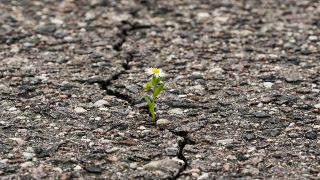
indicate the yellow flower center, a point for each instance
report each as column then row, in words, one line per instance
column 155, row 70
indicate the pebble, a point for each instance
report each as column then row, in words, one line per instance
column 93, row 169
column 163, row 122
column 312, row 135
column 313, row 38
column 39, row 173
column 77, row 168
column 198, row 88
column 28, row 155
column 11, row 109
column 316, row 127
column 28, row 45
column 26, row 164
column 249, row 136
column 176, row 111
column 217, row 70
column 100, row 103
column 70, row 39
column 196, row 75
column 79, row 110
column 164, row 165
column 133, row 89
column 225, row 141
column 18, row 140
column 293, row 77
column 317, row 106
column 251, row 171
column 172, row 151
column 261, row 115
column 90, row 15
column 203, row 16
column 268, row 85
column 98, row 2
column 204, row 176
column 46, row 29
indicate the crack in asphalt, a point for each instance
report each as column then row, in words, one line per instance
column 124, row 33
column 186, row 140
column 128, row 58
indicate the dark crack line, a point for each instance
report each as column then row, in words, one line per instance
column 105, row 84
column 186, row 140
column 125, row 31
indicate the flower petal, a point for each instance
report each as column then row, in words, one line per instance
column 149, row 71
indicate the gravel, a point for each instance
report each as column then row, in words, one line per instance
column 241, row 97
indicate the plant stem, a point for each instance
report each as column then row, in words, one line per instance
column 153, row 114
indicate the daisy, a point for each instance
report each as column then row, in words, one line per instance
column 155, row 71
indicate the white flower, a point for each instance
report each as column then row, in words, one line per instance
column 155, row 71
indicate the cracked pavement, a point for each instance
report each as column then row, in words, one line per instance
column 241, row 100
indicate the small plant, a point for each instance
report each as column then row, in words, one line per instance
column 156, row 85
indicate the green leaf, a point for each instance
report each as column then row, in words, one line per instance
column 158, row 90
column 147, row 86
column 158, row 80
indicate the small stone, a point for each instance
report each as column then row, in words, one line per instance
column 112, row 159
column 313, row 38
column 100, row 103
column 225, row 141
column 316, row 127
column 249, row 136
column 164, row 165
column 293, row 78
column 317, row 106
column 183, row 104
column 203, row 16
column 231, row 157
column 217, row 70
column 268, row 85
column 46, row 29
column 172, row 151
column 226, row 167
column 12, row 109
column 56, row 21
column 271, row 132
column 98, row 2
column 26, row 164
column 39, row 173
column 70, row 39
column 28, row 155
column 261, row 57
column 133, row 89
column 93, row 169
column 197, row 88
column 204, row 176
column 196, row 75
column 79, row 110
column 18, row 140
column 261, row 115
column 311, row 135
column 176, row 111
column 77, row 168
column 90, row 15
column 251, row 171
column 163, row 122
column 28, row 45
